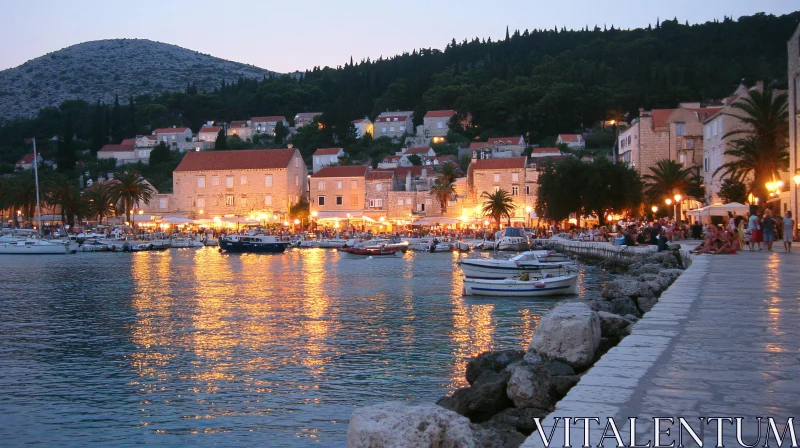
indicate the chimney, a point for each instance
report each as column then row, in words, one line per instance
column 290, row 146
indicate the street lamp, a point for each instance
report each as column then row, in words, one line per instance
column 678, row 198
column 668, row 201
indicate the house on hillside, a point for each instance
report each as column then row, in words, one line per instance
column 440, row 160
column 266, row 125
column 338, row 192
column 379, row 183
column 241, row 129
column 125, row 152
column 173, row 137
column 363, row 127
column 208, row 133
column 573, row 141
column 242, row 183
column 326, row 157
column 304, row 118
column 26, row 162
column 436, row 123
column 393, row 124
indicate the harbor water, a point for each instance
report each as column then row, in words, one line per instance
column 194, row 347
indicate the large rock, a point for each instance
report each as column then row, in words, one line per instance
column 626, row 287
column 400, row 425
column 562, row 385
column 657, row 283
column 671, row 274
column 646, row 303
column 554, row 367
column 644, row 268
column 520, row 418
column 613, row 325
column 486, row 397
column 569, row 333
column 497, row 435
column 495, row 361
column 600, row 305
column 529, row 386
column 669, row 260
column 624, row 306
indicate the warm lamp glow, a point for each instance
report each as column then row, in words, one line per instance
column 296, row 221
column 668, row 201
column 217, row 219
column 349, row 216
column 262, row 217
column 654, row 208
column 251, row 217
column 486, row 223
column 464, row 218
column 314, row 213
column 382, row 219
column 528, row 209
column 142, row 211
column 613, row 122
column 286, row 223
column 609, row 218
column 678, row 198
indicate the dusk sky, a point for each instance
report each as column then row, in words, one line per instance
column 287, row 36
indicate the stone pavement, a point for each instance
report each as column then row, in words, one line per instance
column 723, row 341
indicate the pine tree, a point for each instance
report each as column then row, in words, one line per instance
column 116, row 122
column 507, row 36
column 66, row 158
column 132, row 125
column 98, row 137
column 222, row 141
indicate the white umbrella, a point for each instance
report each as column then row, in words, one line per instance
column 177, row 220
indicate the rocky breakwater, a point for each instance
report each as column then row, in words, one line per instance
column 508, row 389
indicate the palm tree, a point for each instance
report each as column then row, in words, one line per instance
column 100, row 200
column 449, row 171
column 22, row 195
column 69, row 200
column 443, row 189
column 666, row 178
column 762, row 149
column 498, row 205
column 129, row 188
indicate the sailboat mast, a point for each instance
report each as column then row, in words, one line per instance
column 36, row 180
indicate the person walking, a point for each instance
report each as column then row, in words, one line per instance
column 755, row 232
column 768, row 228
column 788, row 231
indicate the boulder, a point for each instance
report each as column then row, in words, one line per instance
column 613, row 325
column 570, row 333
column 497, row 435
column 626, row 287
column 495, row 361
column 669, row 260
column 605, row 345
column 562, row 385
column 555, row 367
column 397, row 425
column 529, row 386
column 600, row 305
column 670, row 274
column 486, row 397
column 655, row 281
column 631, row 318
column 646, row 303
column 520, row 418
column 644, row 268
column 625, row 306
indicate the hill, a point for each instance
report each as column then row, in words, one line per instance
column 99, row 69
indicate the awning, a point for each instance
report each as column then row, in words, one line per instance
column 342, row 215
column 434, row 220
column 720, row 210
column 176, row 220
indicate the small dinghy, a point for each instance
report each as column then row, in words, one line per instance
column 519, row 287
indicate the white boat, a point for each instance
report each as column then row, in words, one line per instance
column 432, row 245
column 512, row 239
column 36, row 246
column 184, row 242
column 534, row 287
column 325, row 243
column 531, row 262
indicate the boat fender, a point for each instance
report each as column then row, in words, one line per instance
column 540, row 284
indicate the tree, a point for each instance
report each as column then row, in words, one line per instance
column 99, row 200
column 762, row 149
column 732, row 190
column 443, row 189
column 415, row 160
column 98, row 137
column 66, row 157
column 160, row 154
column 281, row 132
column 498, row 205
column 667, row 178
column 449, row 171
column 129, row 188
column 117, row 129
column 301, row 210
column 222, row 140
column 65, row 195
column 133, row 127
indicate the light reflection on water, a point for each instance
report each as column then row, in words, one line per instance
column 196, row 347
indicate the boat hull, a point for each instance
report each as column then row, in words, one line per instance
column 352, row 252
column 241, row 247
column 556, row 286
column 503, row 272
column 35, row 249
column 512, row 244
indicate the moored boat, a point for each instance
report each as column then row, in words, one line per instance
column 252, row 243
column 36, row 246
column 530, row 262
column 358, row 252
column 533, row 287
column 512, row 239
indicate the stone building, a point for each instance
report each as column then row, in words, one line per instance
column 266, row 125
column 304, row 118
column 393, row 124
column 379, row 184
column 793, row 48
column 490, row 175
column 325, row 157
column 436, row 123
column 241, row 129
column 573, row 141
column 173, row 137
column 337, row 191
column 208, row 133
column 363, row 127
column 239, row 183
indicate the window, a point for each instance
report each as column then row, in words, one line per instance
column 268, row 180
column 244, row 179
column 707, row 132
column 496, row 188
column 402, row 128
column 514, row 177
column 429, row 201
column 162, row 203
column 321, row 185
column 354, row 185
column 375, row 203
column 244, row 201
column 421, row 207
column 201, row 181
column 296, row 162
column 229, row 181
column 497, row 177
column 391, row 128
column 268, row 200
column 215, row 180
column 439, row 125
column 705, row 164
column 689, row 144
column 680, row 129
column 383, row 130
column 515, row 191
column 629, row 139
column 354, row 200
column 527, row 190
column 321, row 201
column 229, row 200
column 683, row 159
column 201, row 202
column 338, row 185
column 339, row 200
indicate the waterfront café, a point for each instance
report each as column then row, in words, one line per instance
column 706, row 214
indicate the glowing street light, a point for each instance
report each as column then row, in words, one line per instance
column 668, row 201
column 654, row 208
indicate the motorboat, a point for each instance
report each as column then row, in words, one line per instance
column 377, row 243
column 360, row 252
column 530, row 262
column 36, row 246
column 512, row 239
column 534, row 286
column 181, row 242
column 252, row 243
column 432, row 245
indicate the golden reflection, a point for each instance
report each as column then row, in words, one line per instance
column 472, row 333
column 774, row 303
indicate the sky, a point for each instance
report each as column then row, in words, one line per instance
column 285, row 36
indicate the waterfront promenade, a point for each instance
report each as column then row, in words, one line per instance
column 723, row 341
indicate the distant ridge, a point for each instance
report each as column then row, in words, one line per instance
column 99, row 69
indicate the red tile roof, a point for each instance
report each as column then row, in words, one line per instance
column 706, row 112
column 360, row 120
column 171, row 130
column 569, row 138
column 661, row 117
column 213, row 129
column 129, row 142
column 342, row 171
column 392, row 119
column 545, row 151
column 27, row 158
column 439, row 113
column 239, row 124
column 380, row 175
column 117, row 148
column 248, row 159
column 401, row 171
column 327, row 151
column 507, row 163
column 417, row 150
column 478, row 145
column 504, row 141
column 307, row 114
column 391, row 159
column 269, row 119
column 149, row 137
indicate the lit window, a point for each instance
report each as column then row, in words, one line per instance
column 229, row 200
column 268, row 200
column 268, row 180
column 229, row 181
column 353, row 200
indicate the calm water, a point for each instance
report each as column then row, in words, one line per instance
column 189, row 347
